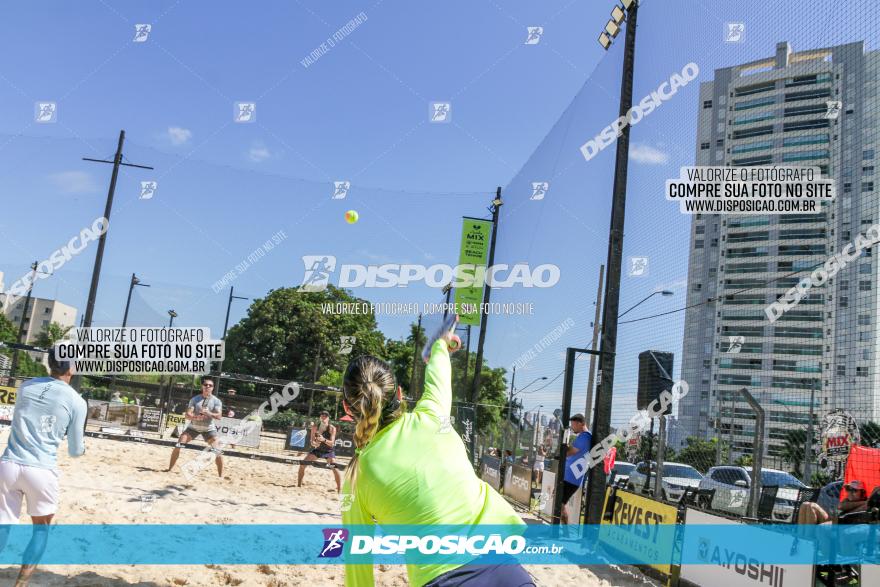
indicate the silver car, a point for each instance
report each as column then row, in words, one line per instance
column 620, row 472
column 675, row 479
column 732, row 484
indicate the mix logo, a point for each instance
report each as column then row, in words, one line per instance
column 142, row 32
column 539, row 189
column 534, row 35
column 734, row 32
column 441, row 112
column 245, row 112
column 148, row 190
column 334, row 542
column 45, row 112
column 833, row 109
column 340, row 189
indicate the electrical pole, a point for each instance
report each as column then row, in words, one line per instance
column 99, row 256
column 509, row 410
column 588, row 409
column 487, row 292
column 21, row 329
column 602, row 416
column 412, row 380
column 225, row 328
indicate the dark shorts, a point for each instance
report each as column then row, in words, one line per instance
column 208, row 435
column 322, row 453
column 568, row 490
column 477, row 575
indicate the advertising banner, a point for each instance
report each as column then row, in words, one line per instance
column 518, row 484
column 490, row 471
column 633, row 528
column 725, row 565
column 298, row 440
column 475, row 235
column 233, row 432
column 7, row 395
column 150, row 420
column 465, row 423
column 174, row 420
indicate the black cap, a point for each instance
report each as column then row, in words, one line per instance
column 57, row 365
column 577, row 418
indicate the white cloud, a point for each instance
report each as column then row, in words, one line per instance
column 259, row 152
column 178, row 135
column 73, row 182
column 643, row 153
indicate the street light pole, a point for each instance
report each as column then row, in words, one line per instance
column 665, row 293
column 225, row 328
column 134, row 282
column 608, row 348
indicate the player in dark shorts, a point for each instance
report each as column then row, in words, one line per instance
column 201, row 412
column 323, row 438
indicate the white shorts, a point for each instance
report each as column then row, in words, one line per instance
column 539, row 466
column 38, row 485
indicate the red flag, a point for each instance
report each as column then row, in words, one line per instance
column 609, row 459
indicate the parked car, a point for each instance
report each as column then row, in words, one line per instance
column 676, row 478
column 829, row 497
column 620, row 472
column 732, row 487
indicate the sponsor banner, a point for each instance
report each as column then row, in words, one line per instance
column 7, row 395
column 490, row 471
column 634, row 528
column 465, row 423
column 548, row 492
column 151, row 418
column 298, row 440
column 739, row 562
column 475, row 235
column 870, row 575
column 232, row 431
column 518, row 483
column 174, row 420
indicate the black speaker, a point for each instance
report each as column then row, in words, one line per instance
column 652, row 380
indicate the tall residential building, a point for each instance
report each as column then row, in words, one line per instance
column 776, row 111
column 40, row 314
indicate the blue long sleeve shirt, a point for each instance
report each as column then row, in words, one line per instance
column 46, row 410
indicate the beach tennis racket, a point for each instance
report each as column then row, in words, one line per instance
column 446, row 327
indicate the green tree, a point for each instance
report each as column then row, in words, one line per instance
column 744, row 461
column 870, row 433
column 27, row 367
column 287, row 335
column 699, row 453
column 793, row 450
column 51, row 334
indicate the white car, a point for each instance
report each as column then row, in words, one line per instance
column 620, row 473
column 675, row 479
column 732, row 488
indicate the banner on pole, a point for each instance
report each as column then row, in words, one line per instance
column 475, row 234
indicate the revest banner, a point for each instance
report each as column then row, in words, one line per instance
column 728, row 565
column 475, row 235
column 7, row 395
column 633, row 528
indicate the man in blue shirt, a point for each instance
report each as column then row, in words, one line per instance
column 46, row 410
column 574, row 476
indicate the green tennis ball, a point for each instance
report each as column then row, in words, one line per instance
column 351, row 216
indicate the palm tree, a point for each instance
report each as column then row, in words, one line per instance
column 793, row 449
column 51, row 334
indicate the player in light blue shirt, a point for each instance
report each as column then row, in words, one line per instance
column 201, row 413
column 46, row 410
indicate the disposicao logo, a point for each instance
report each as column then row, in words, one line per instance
column 334, row 541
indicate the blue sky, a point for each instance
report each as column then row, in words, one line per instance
column 360, row 113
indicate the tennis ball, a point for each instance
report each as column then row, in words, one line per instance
column 351, row 216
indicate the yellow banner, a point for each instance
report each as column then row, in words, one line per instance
column 7, row 395
column 174, row 419
column 629, row 531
